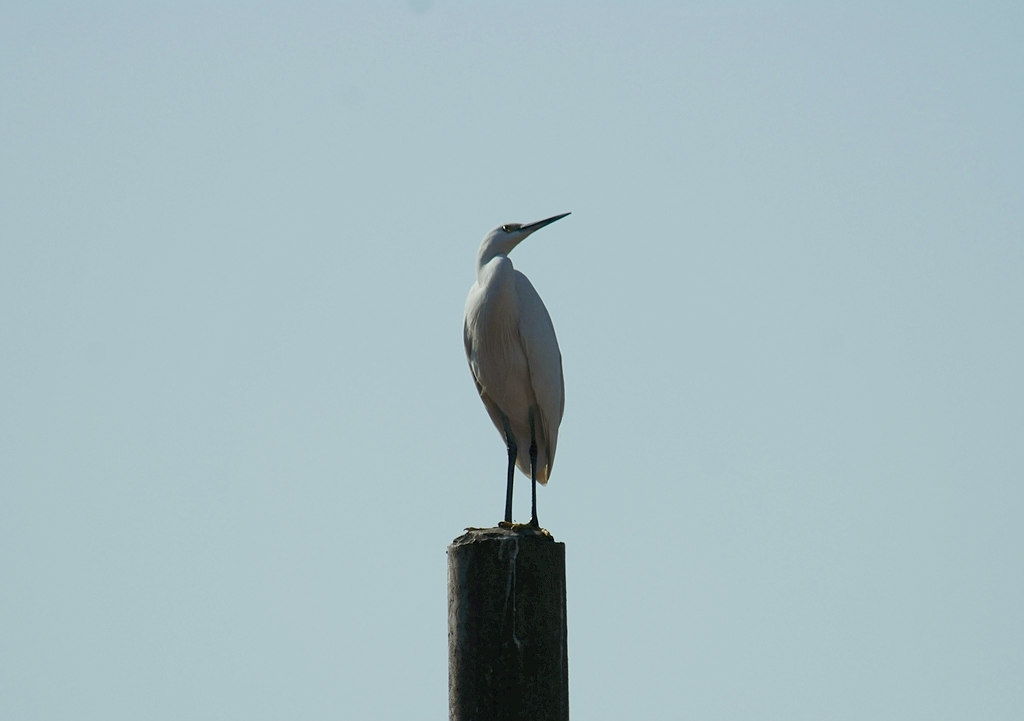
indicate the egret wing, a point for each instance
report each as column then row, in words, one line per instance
column 537, row 333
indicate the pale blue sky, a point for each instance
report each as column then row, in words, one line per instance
column 238, row 429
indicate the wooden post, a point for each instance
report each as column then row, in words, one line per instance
column 507, row 652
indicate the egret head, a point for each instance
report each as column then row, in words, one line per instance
column 504, row 238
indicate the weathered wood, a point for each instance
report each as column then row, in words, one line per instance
column 507, row 649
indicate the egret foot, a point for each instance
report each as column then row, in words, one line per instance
column 525, row 528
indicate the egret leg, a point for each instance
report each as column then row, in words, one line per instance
column 513, row 451
column 533, row 485
column 533, row 476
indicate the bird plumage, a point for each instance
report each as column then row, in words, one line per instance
column 513, row 353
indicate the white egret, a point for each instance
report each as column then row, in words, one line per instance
column 514, row 357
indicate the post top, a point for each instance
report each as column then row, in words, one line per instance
column 519, row 531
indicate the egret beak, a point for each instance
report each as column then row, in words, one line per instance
column 529, row 228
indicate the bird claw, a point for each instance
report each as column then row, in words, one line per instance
column 525, row 528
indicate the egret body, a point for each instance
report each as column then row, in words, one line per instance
column 514, row 357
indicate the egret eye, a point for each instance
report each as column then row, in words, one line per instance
column 509, row 227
